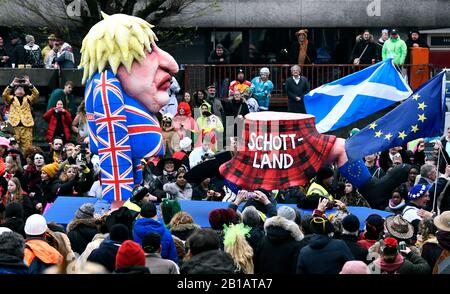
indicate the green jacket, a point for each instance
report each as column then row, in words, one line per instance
column 68, row 101
column 395, row 49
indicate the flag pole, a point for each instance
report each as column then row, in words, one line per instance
column 435, row 181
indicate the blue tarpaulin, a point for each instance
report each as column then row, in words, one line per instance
column 64, row 208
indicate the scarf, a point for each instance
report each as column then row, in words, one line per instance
column 396, row 207
column 389, row 267
column 302, row 52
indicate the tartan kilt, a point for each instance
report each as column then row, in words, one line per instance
column 309, row 155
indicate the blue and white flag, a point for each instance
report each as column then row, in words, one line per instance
column 356, row 96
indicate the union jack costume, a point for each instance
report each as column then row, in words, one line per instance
column 122, row 132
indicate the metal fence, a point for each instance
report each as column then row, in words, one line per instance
column 199, row 76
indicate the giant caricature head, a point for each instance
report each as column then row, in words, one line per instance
column 117, row 42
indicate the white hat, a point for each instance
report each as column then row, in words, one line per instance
column 4, row 230
column 264, row 70
column 185, row 143
column 35, row 225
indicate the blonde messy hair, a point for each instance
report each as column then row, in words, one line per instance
column 117, row 39
column 237, row 246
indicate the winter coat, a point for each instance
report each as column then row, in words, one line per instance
column 261, row 91
column 369, row 53
column 146, row 226
column 395, row 49
column 297, row 90
column 323, row 255
column 52, row 118
column 105, row 254
column 233, row 108
column 33, row 178
column 311, row 53
column 358, row 252
column 80, row 233
column 134, row 270
column 94, row 244
column 209, row 262
column 278, row 251
column 411, row 264
column 431, row 251
column 68, row 101
column 17, row 53
column 214, row 59
column 39, row 255
column 176, row 192
column 255, row 237
column 157, row 265
column 33, row 56
column 12, row 265
column 20, row 112
column 183, row 231
column 441, row 183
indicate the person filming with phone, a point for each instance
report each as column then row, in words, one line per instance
column 20, row 95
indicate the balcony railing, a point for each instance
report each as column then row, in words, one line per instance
column 199, row 76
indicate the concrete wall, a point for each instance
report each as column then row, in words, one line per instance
column 253, row 13
column 313, row 13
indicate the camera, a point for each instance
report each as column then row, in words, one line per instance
column 251, row 195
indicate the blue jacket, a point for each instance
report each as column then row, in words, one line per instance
column 144, row 226
column 261, row 91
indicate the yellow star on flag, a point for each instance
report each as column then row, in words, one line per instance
column 402, row 135
column 422, row 106
column 373, row 126
column 378, row 134
column 416, row 97
column 388, row 136
column 414, row 128
column 422, row 117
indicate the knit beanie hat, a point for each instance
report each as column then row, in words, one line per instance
column 286, row 212
column 351, row 223
column 130, row 254
column 139, row 192
column 85, row 211
column 14, row 210
column 169, row 208
column 119, row 233
column 321, row 225
column 355, row 267
column 221, row 216
column 51, row 169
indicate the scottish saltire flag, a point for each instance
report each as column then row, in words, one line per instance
column 356, row 96
column 421, row 115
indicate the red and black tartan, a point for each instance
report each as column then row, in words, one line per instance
column 309, row 155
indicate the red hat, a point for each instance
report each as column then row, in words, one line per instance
column 221, row 216
column 296, row 151
column 130, row 254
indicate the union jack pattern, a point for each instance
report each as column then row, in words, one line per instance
column 118, row 127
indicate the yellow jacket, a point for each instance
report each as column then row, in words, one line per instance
column 20, row 112
column 319, row 190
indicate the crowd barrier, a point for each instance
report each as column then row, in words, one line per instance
column 64, row 208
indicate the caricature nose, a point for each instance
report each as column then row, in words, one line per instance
column 166, row 61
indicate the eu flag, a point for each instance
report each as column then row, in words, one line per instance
column 421, row 115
